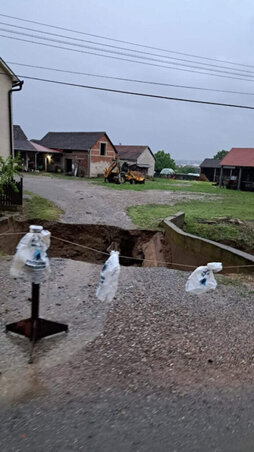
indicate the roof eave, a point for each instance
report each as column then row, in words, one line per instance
column 14, row 77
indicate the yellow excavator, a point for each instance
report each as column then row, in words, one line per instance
column 115, row 174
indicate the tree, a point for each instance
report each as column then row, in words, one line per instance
column 187, row 169
column 163, row 160
column 220, row 155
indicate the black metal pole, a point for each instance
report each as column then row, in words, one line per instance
column 35, row 301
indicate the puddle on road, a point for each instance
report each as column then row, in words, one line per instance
column 20, row 388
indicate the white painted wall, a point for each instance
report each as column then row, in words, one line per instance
column 98, row 168
column 5, row 86
column 146, row 158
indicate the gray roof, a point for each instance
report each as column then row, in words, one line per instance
column 21, row 142
column 210, row 163
column 131, row 152
column 73, row 141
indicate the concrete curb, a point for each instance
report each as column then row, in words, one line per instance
column 189, row 249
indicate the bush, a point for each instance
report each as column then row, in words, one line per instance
column 203, row 178
column 8, row 169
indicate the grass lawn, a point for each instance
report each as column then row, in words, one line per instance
column 39, row 208
column 162, row 184
column 55, row 176
column 227, row 203
column 230, row 205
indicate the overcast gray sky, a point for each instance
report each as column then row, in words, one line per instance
column 221, row 29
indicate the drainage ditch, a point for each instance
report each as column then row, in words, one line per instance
column 135, row 245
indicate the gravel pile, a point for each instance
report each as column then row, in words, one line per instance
column 156, row 367
column 156, row 335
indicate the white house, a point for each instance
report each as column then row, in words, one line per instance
column 137, row 156
column 9, row 83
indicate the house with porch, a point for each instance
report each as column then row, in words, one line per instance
column 34, row 156
column 239, row 162
column 9, row 83
column 83, row 153
column 137, row 157
column 24, row 148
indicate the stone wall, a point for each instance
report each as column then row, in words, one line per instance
column 189, row 249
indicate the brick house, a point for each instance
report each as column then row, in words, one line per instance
column 137, row 157
column 84, row 153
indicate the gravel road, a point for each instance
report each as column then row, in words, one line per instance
column 155, row 370
column 84, row 202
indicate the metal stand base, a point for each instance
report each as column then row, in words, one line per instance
column 36, row 329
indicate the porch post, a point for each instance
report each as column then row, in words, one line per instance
column 26, row 161
column 221, row 176
column 35, row 161
column 239, row 179
column 214, row 174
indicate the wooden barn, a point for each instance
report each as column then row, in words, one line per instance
column 240, row 164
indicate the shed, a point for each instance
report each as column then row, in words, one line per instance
column 140, row 156
column 240, row 162
column 211, row 169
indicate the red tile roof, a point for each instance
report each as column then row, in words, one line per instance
column 41, row 148
column 239, row 157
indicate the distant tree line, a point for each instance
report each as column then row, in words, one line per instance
column 164, row 160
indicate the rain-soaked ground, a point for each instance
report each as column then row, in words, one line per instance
column 156, row 369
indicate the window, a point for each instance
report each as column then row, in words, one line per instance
column 103, row 148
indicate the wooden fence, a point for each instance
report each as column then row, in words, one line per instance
column 9, row 197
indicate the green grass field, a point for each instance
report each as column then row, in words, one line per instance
column 232, row 204
column 36, row 207
column 228, row 204
column 162, row 184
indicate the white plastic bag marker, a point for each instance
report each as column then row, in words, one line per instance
column 109, row 278
column 202, row 279
column 31, row 261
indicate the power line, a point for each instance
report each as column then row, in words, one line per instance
column 124, row 59
column 133, row 93
column 125, row 42
column 114, row 47
column 131, row 80
column 59, row 41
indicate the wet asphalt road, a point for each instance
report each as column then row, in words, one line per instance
column 132, row 422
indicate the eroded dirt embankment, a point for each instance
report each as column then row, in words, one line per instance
column 135, row 245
